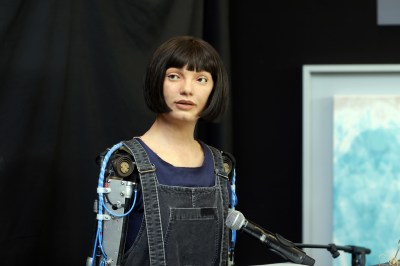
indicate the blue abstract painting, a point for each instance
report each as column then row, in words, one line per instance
column 366, row 175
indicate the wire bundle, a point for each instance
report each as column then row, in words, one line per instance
column 101, row 207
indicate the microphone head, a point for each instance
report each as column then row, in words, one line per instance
column 235, row 219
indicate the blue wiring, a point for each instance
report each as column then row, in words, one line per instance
column 234, row 201
column 101, row 205
column 124, row 214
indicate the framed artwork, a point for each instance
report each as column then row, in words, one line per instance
column 348, row 199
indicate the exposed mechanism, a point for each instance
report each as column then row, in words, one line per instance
column 230, row 169
column 117, row 185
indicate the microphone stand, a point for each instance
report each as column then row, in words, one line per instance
column 357, row 253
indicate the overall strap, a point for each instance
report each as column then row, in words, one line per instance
column 150, row 200
column 223, row 183
column 223, row 177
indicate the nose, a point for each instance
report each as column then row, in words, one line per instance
column 187, row 87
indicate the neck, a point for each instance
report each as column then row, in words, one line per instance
column 181, row 133
column 174, row 143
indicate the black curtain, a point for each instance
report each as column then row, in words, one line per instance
column 71, row 86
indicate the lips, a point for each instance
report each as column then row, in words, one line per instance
column 184, row 104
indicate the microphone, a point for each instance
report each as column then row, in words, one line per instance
column 283, row 247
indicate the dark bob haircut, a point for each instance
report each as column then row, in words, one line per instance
column 197, row 55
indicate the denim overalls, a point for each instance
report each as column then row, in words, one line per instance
column 181, row 225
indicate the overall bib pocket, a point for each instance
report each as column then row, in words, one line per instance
column 184, row 227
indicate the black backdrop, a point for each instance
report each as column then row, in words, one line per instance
column 70, row 79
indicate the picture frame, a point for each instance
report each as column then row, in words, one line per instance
column 320, row 84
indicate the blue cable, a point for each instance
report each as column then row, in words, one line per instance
column 234, row 201
column 124, row 214
column 99, row 238
column 101, row 245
